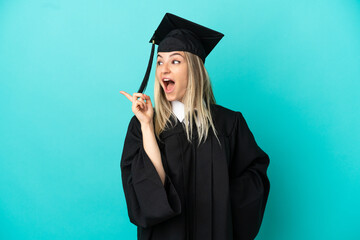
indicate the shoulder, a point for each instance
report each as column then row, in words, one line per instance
column 220, row 110
column 225, row 119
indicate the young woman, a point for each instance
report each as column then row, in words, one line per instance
column 191, row 169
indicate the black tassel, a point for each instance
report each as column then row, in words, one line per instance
column 146, row 77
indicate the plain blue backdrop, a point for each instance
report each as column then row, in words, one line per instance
column 291, row 67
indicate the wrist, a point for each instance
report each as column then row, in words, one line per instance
column 147, row 126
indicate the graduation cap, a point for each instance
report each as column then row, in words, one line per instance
column 178, row 34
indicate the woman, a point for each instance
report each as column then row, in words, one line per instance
column 191, row 169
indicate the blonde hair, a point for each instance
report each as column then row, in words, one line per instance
column 196, row 107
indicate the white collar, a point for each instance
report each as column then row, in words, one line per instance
column 178, row 109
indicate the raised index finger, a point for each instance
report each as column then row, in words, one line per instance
column 127, row 95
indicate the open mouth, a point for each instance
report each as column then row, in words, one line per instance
column 168, row 85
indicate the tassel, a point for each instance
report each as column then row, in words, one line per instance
column 146, row 77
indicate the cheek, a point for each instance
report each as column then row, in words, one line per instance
column 183, row 84
column 186, row 79
column 157, row 76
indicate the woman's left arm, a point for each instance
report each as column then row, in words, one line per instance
column 249, row 184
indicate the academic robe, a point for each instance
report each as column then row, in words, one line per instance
column 211, row 192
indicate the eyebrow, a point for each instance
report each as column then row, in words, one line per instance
column 171, row 55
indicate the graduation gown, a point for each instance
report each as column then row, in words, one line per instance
column 211, row 192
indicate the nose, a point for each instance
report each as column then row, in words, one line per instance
column 165, row 68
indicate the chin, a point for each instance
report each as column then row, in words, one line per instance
column 171, row 96
column 170, row 99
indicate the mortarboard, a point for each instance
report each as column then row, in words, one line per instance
column 178, row 34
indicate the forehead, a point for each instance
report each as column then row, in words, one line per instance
column 170, row 54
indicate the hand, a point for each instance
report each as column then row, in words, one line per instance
column 142, row 108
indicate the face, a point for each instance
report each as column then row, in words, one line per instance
column 171, row 71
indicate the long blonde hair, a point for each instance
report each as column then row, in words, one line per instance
column 196, row 107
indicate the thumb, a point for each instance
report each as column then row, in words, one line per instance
column 147, row 98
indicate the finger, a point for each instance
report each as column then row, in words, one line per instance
column 148, row 101
column 126, row 95
column 141, row 104
column 146, row 97
column 141, row 100
column 137, row 106
column 138, row 95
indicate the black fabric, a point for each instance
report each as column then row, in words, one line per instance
column 182, row 40
column 211, row 192
column 196, row 38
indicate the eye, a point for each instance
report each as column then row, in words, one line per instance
column 176, row 61
column 159, row 62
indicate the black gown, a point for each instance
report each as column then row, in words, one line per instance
column 211, row 192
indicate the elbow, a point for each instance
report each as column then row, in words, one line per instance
column 140, row 223
column 146, row 221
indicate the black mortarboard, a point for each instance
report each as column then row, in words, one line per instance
column 178, row 34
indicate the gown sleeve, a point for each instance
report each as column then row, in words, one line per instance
column 249, row 184
column 149, row 202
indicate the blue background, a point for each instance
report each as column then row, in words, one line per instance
column 291, row 67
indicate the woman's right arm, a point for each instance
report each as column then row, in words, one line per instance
column 152, row 148
column 150, row 195
column 144, row 112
